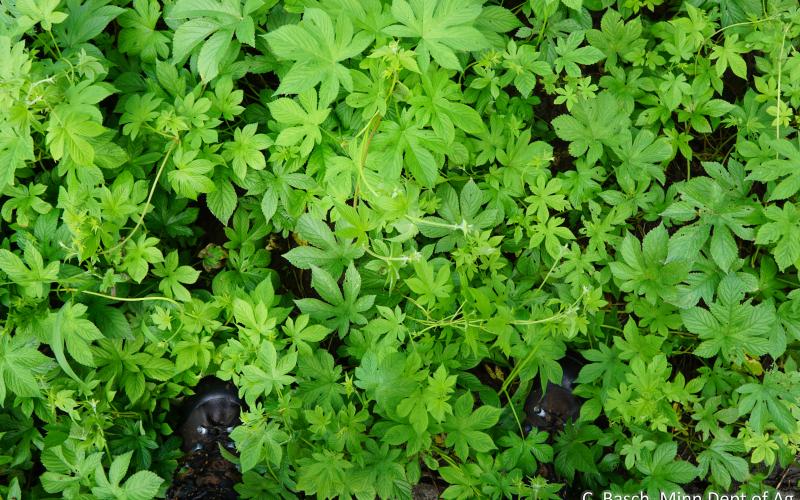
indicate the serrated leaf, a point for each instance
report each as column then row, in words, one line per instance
column 593, row 125
column 341, row 309
column 304, row 122
column 15, row 150
column 143, row 485
column 723, row 465
column 730, row 328
column 318, row 45
column 212, row 53
column 68, row 134
column 222, row 201
column 464, row 427
column 19, row 362
column 85, row 20
column 189, row 177
column 723, row 248
column 327, row 251
column 441, row 26
column 785, row 230
column 139, row 34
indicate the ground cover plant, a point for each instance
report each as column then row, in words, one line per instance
column 387, row 222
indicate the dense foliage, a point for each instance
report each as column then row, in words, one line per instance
column 385, row 221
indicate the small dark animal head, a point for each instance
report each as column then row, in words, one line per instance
column 553, row 408
column 212, row 410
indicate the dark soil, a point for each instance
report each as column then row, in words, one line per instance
column 294, row 281
column 212, row 230
column 204, row 475
column 425, row 491
column 207, row 417
column 786, row 480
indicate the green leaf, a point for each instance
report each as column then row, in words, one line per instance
column 318, row 45
column 143, row 485
column 267, row 374
column 213, row 24
column 429, row 286
column 324, row 249
column 189, row 177
column 551, row 232
column 403, row 144
column 785, row 230
column 465, row 428
column 723, row 465
column 662, row 471
column 20, row 362
column 778, row 167
column 212, row 54
column 139, row 35
column 459, row 215
column 301, row 333
column 523, row 64
column 440, row 386
column 41, row 11
column 189, row 35
column 729, row 327
column 139, row 254
column 339, row 310
column 723, row 248
column 570, row 54
column 245, row 150
column 139, row 110
column 573, row 4
column 15, row 150
column 441, row 27
column 67, row 327
column 222, row 201
column 439, row 106
column 258, row 441
column 728, row 56
column 85, row 20
column 324, row 474
column 68, row 134
column 618, row 39
column 413, row 408
column 641, row 156
column 544, row 196
column 767, row 402
column 269, row 203
column 718, row 203
column 119, row 467
column 593, row 124
column 383, row 378
column 303, row 122
column 174, row 276
column 32, row 275
column 645, row 270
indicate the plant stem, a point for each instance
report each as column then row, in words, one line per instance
column 149, row 198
